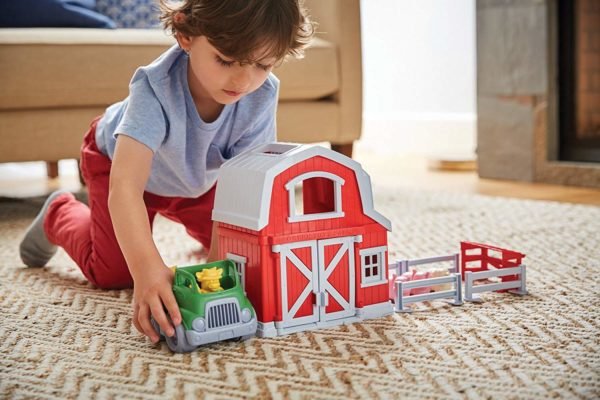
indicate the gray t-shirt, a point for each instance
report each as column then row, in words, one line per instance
column 160, row 113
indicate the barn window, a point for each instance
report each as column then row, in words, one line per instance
column 315, row 195
column 240, row 265
column 373, row 266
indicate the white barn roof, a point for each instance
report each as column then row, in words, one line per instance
column 245, row 183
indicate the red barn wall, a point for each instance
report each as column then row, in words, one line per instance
column 259, row 267
column 354, row 222
column 373, row 236
column 351, row 201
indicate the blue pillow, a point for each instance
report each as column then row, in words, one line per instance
column 52, row 13
column 130, row 13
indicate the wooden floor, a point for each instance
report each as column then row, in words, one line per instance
column 415, row 172
column 28, row 180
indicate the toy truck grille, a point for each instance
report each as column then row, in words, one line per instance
column 223, row 314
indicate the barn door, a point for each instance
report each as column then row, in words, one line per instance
column 336, row 278
column 317, row 280
column 299, row 282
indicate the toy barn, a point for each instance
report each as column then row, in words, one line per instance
column 299, row 223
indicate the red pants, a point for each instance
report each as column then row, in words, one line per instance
column 86, row 233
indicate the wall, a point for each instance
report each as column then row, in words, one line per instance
column 419, row 75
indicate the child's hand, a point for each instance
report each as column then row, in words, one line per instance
column 151, row 291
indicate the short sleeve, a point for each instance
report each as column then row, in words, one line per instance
column 143, row 119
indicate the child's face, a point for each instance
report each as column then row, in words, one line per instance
column 214, row 76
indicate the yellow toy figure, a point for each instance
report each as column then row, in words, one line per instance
column 210, row 280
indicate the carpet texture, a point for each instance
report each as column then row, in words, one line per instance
column 61, row 338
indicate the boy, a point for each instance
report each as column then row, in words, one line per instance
column 203, row 101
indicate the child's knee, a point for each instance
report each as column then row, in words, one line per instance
column 112, row 282
column 113, row 277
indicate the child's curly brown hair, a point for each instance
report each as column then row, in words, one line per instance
column 240, row 28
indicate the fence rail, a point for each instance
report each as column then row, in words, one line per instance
column 402, row 266
column 471, row 289
column 402, row 300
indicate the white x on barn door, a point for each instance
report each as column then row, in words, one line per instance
column 336, row 278
column 317, row 280
column 297, row 289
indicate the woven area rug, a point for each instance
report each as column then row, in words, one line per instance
column 61, row 338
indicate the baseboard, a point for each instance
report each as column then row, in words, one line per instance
column 429, row 134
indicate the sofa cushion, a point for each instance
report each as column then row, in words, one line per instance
column 43, row 68
column 47, row 68
column 55, row 13
column 130, row 13
column 312, row 77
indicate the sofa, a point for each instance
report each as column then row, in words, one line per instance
column 55, row 80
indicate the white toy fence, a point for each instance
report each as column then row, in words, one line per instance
column 402, row 266
column 471, row 289
column 454, row 278
column 403, row 300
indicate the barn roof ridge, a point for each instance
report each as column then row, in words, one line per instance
column 253, row 173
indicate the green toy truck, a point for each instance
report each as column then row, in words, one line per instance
column 213, row 306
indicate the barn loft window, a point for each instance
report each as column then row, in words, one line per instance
column 372, row 266
column 315, row 195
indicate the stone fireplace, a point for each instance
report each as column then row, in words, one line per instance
column 538, row 95
column 579, row 80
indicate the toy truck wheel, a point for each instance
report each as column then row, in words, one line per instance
column 157, row 329
column 246, row 337
column 243, row 338
column 178, row 342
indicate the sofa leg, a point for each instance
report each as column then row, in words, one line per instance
column 344, row 148
column 52, row 169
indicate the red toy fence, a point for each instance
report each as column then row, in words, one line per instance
column 477, row 257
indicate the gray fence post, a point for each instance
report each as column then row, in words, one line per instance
column 458, row 286
column 399, row 299
column 403, row 267
column 468, row 286
column 523, row 284
column 456, row 263
column 522, row 290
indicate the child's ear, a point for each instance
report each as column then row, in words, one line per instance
column 184, row 41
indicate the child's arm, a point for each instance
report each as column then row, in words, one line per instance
column 152, row 288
